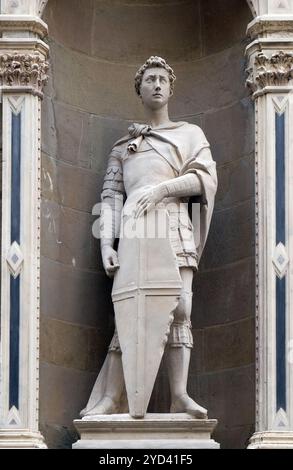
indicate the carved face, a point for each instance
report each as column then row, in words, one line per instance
column 155, row 88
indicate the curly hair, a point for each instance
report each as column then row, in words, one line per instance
column 154, row 61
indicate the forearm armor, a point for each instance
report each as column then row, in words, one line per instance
column 183, row 186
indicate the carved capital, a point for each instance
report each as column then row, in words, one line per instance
column 276, row 70
column 29, row 71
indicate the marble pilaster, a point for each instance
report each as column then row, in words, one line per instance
column 23, row 74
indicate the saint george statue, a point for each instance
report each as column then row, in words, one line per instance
column 152, row 174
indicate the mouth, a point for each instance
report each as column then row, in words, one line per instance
column 158, row 95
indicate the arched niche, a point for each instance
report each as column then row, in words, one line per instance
column 96, row 47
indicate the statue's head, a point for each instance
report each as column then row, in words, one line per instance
column 155, row 73
column 152, row 62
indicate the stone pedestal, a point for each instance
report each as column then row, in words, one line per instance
column 155, row 431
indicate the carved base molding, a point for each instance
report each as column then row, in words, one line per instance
column 19, row 439
column 155, row 431
column 272, row 440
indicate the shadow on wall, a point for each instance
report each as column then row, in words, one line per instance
column 96, row 48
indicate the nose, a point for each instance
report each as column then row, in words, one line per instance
column 157, row 85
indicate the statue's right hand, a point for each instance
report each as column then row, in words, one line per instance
column 110, row 260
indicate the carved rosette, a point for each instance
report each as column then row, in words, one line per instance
column 276, row 70
column 24, row 70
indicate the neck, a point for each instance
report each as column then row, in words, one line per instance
column 158, row 117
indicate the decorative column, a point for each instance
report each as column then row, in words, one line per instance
column 23, row 74
column 270, row 56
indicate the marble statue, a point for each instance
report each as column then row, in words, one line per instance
column 155, row 169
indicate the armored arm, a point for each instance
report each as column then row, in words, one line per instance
column 192, row 180
column 197, row 177
column 112, row 202
column 183, row 186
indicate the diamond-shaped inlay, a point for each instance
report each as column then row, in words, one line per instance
column 14, row 259
column 280, row 260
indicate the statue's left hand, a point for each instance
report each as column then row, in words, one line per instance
column 149, row 199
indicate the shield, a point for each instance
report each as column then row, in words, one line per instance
column 146, row 291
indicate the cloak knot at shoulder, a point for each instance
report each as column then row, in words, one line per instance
column 137, row 132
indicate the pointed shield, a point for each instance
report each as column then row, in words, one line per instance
column 145, row 293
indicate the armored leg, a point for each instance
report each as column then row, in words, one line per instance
column 110, row 401
column 179, row 347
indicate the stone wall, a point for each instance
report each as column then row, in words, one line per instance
column 96, row 47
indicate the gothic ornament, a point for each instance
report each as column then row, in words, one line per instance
column 24, row 70
column 276, row 70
